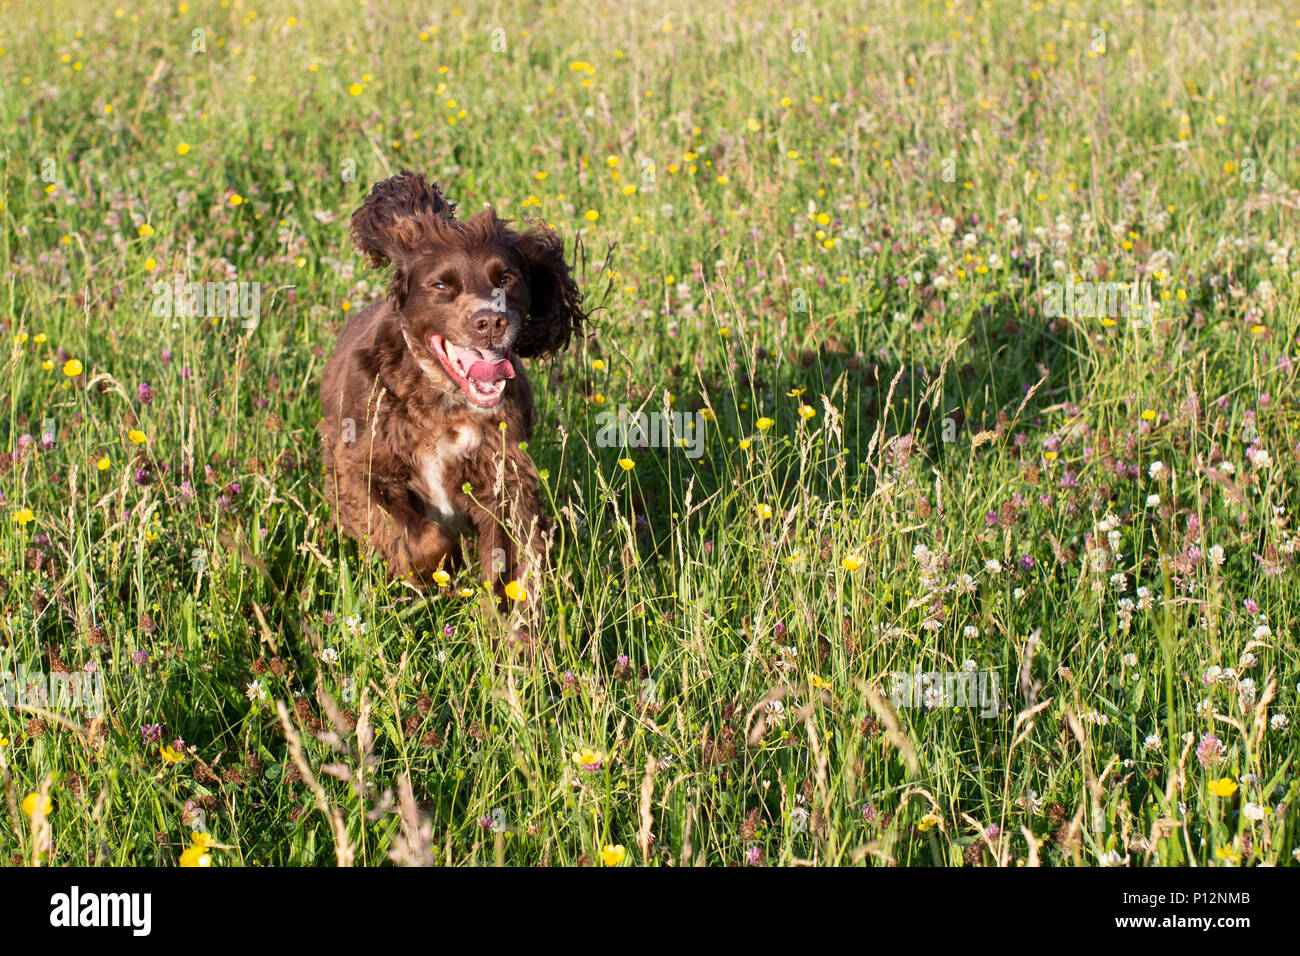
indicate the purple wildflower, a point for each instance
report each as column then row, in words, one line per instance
column 1209, row 751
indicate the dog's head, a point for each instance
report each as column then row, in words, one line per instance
column 469, row 294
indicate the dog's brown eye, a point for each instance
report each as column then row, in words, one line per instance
column 505, row 280
column 438, row 285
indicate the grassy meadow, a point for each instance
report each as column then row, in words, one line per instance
column 883, row 256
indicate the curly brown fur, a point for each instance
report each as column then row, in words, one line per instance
column 425, row 395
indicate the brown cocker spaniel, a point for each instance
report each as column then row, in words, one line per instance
column 425, row 399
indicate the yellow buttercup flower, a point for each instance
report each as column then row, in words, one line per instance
column 764, row 511
column 764, row 424
column 612, row 854
column 441, row 578
column 72, row 368
column 182, row 149
column 137, row 437
column 170, row 755
column 806, row 412
column 852, row 562
column 32, row 801
column 197, row 854
column 1223, row 787
column 588, row 759
column 515, row 591
column 103, row 464
column 627, row 464
column 23, row 516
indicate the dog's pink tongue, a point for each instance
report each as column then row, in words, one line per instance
column 491, row 372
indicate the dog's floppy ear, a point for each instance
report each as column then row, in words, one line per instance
column 389, row 221
column 556, row 312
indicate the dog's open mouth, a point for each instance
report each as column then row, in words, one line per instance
column 480, row 373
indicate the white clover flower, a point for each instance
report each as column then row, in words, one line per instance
column 775, row 712
column 1262, row 632
column 969, row 666
column 1118, row 581
column 970, row 632
column 1155, row 469
column 329, row 656
column 1153, row 501
column 1279, row 722
column 1152, row 742
column 1246, row 690
column 993, row 566
column 1130, row 659
column 1215, row 555
column 1253, row 811
column 1259, row 458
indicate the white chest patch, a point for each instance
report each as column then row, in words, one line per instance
column 437, row 470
